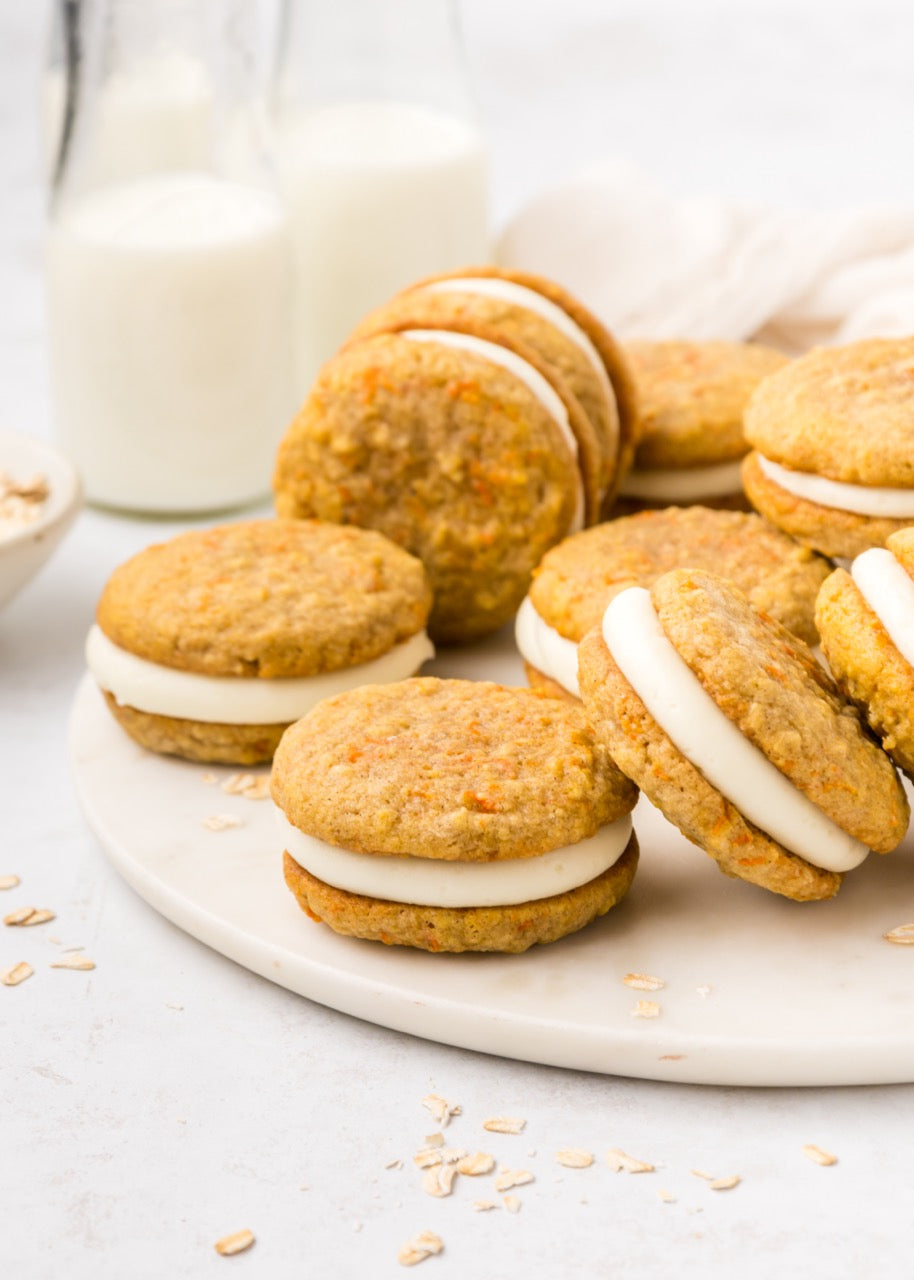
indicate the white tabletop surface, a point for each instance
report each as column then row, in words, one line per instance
column 168, row 1097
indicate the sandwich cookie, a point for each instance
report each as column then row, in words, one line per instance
column 577, row 579
column 567, row 337
column 734, row 731
column 692, row 396
column 464, row 449
column 452, row 815
column 210, row 645
column 866, row 618
column 833, row 437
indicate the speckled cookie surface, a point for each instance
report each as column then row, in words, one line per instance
column 206, row 742
column 577, row 578
column 846, row 413
column 692, row 396
column 449, row 769
column 448, row 454
column 867, row 666
column 826, row 529
column 768, row 683
column 268, row 598
column 511, row 929
column 465, row 311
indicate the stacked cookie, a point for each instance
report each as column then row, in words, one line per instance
column 475, row 421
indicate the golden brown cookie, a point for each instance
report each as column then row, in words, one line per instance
column 450, row 454
column 833, row 438
column 758, row 760
column 866, row 619
column 692, row 396
column 452, row 815
column 208, row 645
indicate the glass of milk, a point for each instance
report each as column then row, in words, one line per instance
column 381, row 158
column 168, row 258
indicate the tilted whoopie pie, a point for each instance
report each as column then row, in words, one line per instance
column 731, row 728
column 209, row 645
column 452, row 815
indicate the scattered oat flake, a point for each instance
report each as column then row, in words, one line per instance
column 439, row 1180
column 451, row 1155
column 643, row 982
column 208, row 778
column 253, row 786
column 21, row 501
column 74, row 961
column 477, row 1164
column 902, row 935
column 18, row 973
column 28, row 916
column 237, row 1242
column 666, row 1196
column 574, row 1158
column 483, row 1206
column 170, row 1005
column 511, row 1203
column 646, row 1009
column 221, row 821
column 426, row 1157
column 504, row 1124
column 9, row 882
column 700, row 1173
column 819, row 1156
column 509, row 1178
column 419, row 1248
column 434, row 1139
column 703, row 990
column 620, row 1162
column 725, row 1184
column 394, row 1164
column 440, row 1108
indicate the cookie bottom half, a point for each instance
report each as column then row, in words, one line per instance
column 198, row 740
column 512, row 928
column 545, row 684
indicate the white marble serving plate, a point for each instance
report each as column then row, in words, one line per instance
column 758, row 990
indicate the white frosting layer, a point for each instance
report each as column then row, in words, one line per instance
column 547, row 395
column 163, row 691
column 887, row 589
column 691, row 718
column 861, row 499
column 519, row 295
column 435, row 882
column 543, row 647
column 684, row 484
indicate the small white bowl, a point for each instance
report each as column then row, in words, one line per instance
column 24, row 550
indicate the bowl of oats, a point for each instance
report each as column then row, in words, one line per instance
column 40, row 494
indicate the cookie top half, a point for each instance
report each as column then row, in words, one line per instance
column 692, row 396
column 577, row 578
column 267, row 598
column 447, row 769
column 845, row 413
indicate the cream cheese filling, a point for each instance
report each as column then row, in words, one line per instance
column 187, row 695
column 684, row 484
column 547, row 395
column 860, row 499
column 437, row 882
column 543, row 647
column 889, row 592
column 691, row 718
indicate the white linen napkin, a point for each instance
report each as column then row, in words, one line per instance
column 652, row 266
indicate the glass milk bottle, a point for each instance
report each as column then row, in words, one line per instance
column 168, row 258
column 380, row 156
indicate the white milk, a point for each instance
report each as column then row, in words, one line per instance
column 380, row 194
column 169, row 317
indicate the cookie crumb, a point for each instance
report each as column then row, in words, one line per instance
column 419, row 1248
column 619, row 1161
column 902, row 935
column 643, row 982
column 504, row 1124
column 18, row 973
column 818, row 1155
column 237, row 1242
column 574, row 1158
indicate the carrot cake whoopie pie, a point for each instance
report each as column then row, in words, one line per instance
column 691, row 398
column 833, row 440
column 209, row 645
column 731, row 728
column 452, row 815
column 577, row 579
